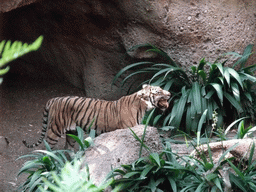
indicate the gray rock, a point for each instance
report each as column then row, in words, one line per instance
column 118, row 147
column 218, row 148
column 3, row 144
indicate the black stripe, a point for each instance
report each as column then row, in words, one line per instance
column 106, row 116
column 96, row 118
column 89, row 116
column 85, row 113
column 64, row 109
column 78, row 113
column 73, row 105
column 55, row 132
column 52, row 139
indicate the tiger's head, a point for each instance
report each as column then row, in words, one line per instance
column 154, row 97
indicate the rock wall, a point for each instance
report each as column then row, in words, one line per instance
column 85, row 41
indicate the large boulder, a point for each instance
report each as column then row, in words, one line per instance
column 110, row 150
column 85, row 41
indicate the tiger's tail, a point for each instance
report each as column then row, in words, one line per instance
column 45, row 122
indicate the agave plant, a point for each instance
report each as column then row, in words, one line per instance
column 197, row 93
column 10, row 51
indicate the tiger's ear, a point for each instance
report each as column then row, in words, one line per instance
column 144, row 86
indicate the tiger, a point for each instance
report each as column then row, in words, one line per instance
column 63, row 114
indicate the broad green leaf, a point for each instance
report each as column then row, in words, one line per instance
column 180, row 109
column 236, row 76
column 76, row 138
column 200, row 187
column 202, row 75
column 165, row 71
column 169, row 84
column 235, row 90
column 221, row 80
column 131, row 174
column 196, row 96
column 252, row 186
column 193, row 68
column 234, row 102
column 218, row 89
column 250, row 69
column 156, row 158
column 188, row 120
column 251, row 154
column 233, row 54
column 122, row 71
column 220, row 67
column 132, row 74
column 200, row 125
column 209, row 166
column 210, row 109
column 248, row 77
column 51, row 154
column 201, row 64
column 238, row 172
column 209, row 94
column 218, row 184
column 4, row 71
column 211, row 176
column 245, row 56
column 173, row 184
column 238, row 182
column 232, row 124
column 227, row 76
column 146, row 170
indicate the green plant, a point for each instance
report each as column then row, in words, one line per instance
column 208, row 86
column 72, row 178
column 79, row 138
column 44, row 162
column 244, row 175
column 10, row 51
column 168, row 172
column 242, row 132
column 41, row 165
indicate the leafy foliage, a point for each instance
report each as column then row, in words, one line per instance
column 72, row 179
column 10, row 51
column 243, row 176
column 196, row 94
column 45, row 162
column 168, row 172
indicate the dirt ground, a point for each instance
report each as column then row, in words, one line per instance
column 22, row 102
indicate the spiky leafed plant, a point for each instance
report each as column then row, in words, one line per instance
column 199, row 92
column 10, row 51
column 44, row 162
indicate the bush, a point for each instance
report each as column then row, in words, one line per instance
column 46, row 164
column 72, row 179
column 168, row 172
column 196, row 94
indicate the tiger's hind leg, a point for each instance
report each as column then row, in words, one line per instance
column 52, row 139
column 70, row 142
